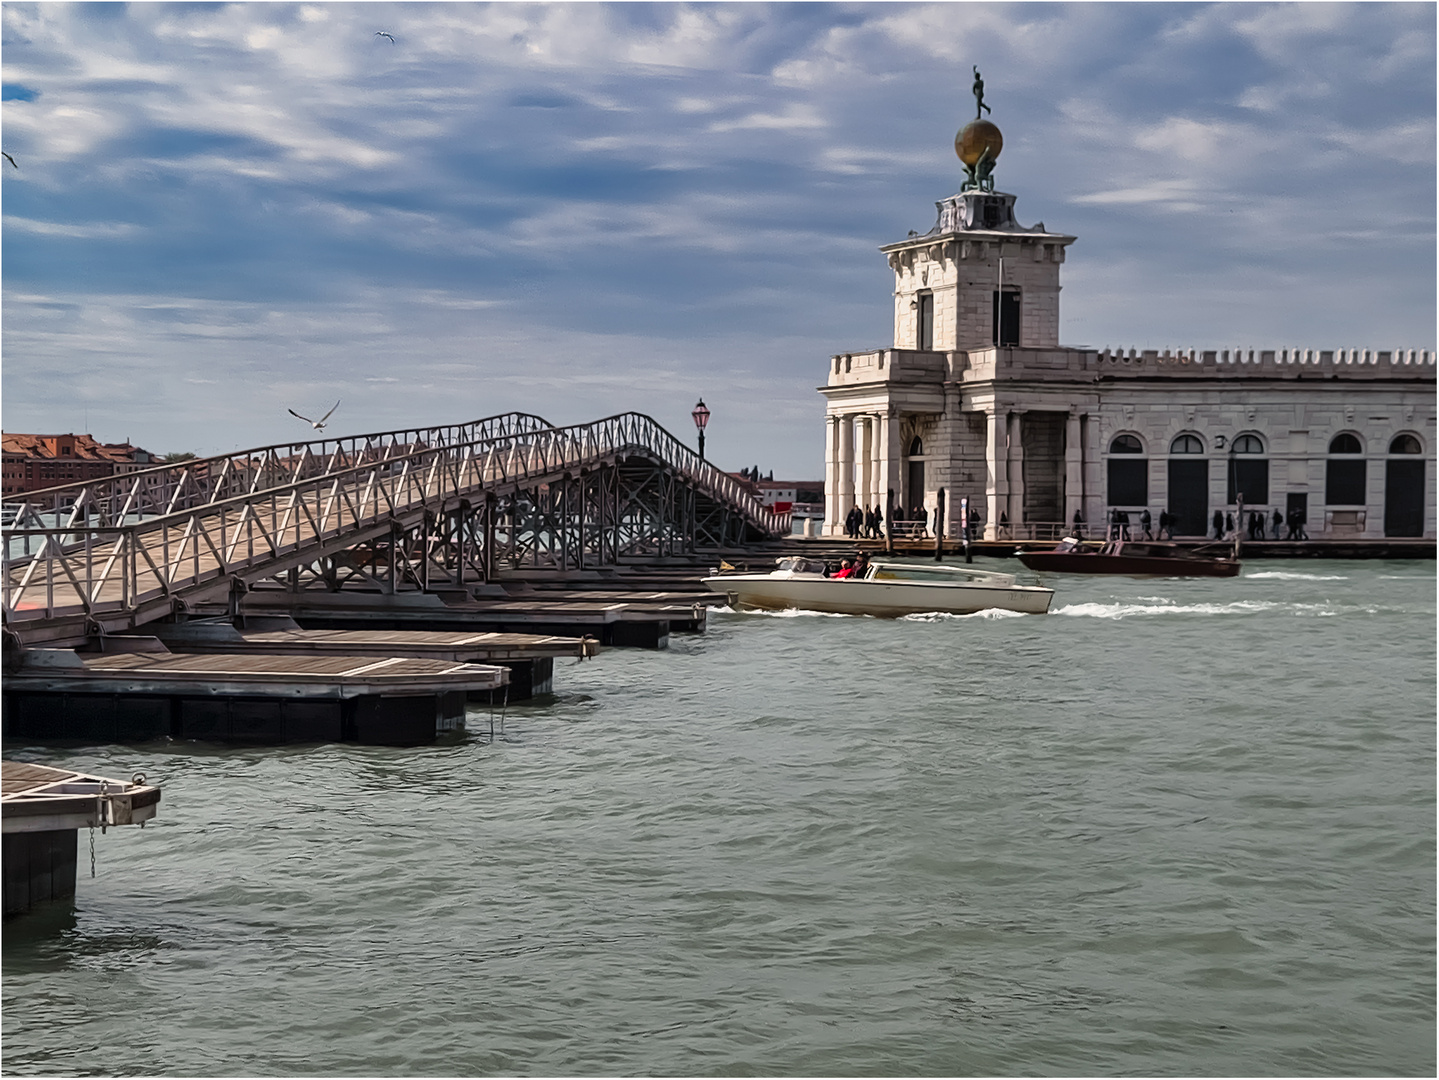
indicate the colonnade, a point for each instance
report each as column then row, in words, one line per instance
column 864, row 463
column 861, row 464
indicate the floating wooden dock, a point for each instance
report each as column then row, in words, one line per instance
column 42, row 810
column 609, row 622
column 252, row 698
column 530, row 658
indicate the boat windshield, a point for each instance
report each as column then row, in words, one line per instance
column 797, row 565
column 949, row 575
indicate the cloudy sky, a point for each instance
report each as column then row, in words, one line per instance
column 224, row 211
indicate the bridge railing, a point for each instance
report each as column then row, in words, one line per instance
column 115, row 547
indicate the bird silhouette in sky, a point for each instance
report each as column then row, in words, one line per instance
column 381, row 33
column 318, row 425
column 8, row 158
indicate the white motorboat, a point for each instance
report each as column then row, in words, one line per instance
column 885, row 589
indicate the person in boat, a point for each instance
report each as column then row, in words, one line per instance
column 861, row 564
column 846, row 569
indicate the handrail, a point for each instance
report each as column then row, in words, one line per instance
column 121, row 544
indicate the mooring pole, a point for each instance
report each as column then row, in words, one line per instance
column 939, row 526
column 964, row 527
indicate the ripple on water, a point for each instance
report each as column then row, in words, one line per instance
column 1192, row 832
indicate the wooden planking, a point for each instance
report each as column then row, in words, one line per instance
column 21, row 776
column 263, row 664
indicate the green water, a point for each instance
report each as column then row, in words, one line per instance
column 1173, row 827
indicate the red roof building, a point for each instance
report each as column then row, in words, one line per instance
column 35, row 462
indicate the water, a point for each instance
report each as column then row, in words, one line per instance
column 1172, row 827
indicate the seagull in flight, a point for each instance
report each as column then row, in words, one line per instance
column 318, row 425
column 8, row 158
column 381, row 33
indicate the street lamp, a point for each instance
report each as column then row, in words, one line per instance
column 701, row 418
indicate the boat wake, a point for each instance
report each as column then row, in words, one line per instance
column 945, row 616
column 787, row 613
column 1289, row 575
column 1125, row 610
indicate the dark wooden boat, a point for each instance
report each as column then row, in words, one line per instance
column 1137, row 558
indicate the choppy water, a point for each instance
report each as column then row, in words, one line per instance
column 1172, row 827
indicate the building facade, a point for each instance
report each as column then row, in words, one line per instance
column 978, row 398
column 35, row 462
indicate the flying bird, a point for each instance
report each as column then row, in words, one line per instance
column 8, row 158
column 318, row 425
column 381, row 33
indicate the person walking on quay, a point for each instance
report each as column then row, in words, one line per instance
column 974, row 521
column 878, row 522
column 1004, row 524
column 1124, row 524
column 919, row 517
column 1278, row 521
column 1078, row 525
column 1218, row 523
column 1228, row 524
column 1166, row 524
column 1144, row 522
column 868, row 523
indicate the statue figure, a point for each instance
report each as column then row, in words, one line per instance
column 979, row 95
column 980, row 175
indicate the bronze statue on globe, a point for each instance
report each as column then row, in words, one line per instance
column 978, row 144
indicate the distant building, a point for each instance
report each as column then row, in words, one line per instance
column 978, row 397
column 35, row 462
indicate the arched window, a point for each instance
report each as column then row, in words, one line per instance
column 1248, row 478
column 1344, row 477
column 1186, row 444
column 1405, row 444
column 916, row 447
column 1128, row 476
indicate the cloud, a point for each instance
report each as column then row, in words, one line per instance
column 578, row 209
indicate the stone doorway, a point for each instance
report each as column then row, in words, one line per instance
column 1189, row 496
column 1404, row 497
column 1041, row 434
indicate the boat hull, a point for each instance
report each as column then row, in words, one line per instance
column 884, row 599
column 1092, row 562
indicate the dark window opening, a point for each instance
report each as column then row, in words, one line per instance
column 1248, row 480
column 1345, row 444
column 916, row 447
column 1405, row 444
column 1006, row 317
column 1344, row 481
column 1128, row 482
column 926, row 321
column 1126, row 444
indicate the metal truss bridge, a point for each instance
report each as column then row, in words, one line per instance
column 430, row 507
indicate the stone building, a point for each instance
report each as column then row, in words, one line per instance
column 35, row 462
column 978, row 398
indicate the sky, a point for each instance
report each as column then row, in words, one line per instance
column 225, row 211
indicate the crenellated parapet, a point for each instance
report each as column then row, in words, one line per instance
column 1267, row 363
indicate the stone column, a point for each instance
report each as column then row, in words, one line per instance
column 996, row 471
column 876, row 473
column 889, row 458
column 832, row 515
column 845, row 458
column 866, row 460
column 1016, row 472
column 1073, row 470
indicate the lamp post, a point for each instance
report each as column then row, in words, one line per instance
column 701, row 417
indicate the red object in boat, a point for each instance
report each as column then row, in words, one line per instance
column 1136, row 558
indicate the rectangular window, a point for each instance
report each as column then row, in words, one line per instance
column 1249, row 478
column 1344, row 482
column 926, row 321
column 1006, row 317
column 1128, row 481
